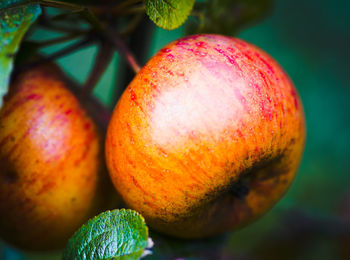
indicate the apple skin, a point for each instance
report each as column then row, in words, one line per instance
column 52, row 176
column 207, row 137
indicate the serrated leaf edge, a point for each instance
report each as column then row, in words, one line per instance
column 186, row 15
column 134, row 213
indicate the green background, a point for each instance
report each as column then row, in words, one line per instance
column 311, row 40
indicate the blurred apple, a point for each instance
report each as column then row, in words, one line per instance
column 52, row 174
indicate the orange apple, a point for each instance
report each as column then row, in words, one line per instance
column 52, row 174
column 207, row 137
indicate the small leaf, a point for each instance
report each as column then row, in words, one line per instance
column 227, row 16
column 169, row 14
column 117, row 234
column 14, row 23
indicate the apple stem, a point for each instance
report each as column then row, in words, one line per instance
column 102, row 60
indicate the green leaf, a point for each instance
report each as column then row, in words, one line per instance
column 14, row 23
column 227, row 16
column 169, row 14
column 117, row 234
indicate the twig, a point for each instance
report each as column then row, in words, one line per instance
column 138, row 43
column 96, row 109
column 113, row 37
column 103, row 59
column 132, row 25
column 93, row 21
column 64, row 16
column 134, row 10
column 118, row 9
column 124, row 4
column 124, row 50
column 62, row 5
column 49, row 3
column 58, row 40
column 54, row 27
column 72, row 48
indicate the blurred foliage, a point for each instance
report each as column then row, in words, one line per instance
column 227, row 16
column 14, row 24
column 311, row 40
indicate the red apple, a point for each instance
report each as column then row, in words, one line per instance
column 207, row 137
column 52, row 174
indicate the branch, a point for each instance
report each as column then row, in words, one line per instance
column 123, row 50
column 62, row 5
column 72, row 48
column 113, row 37
column 103, row 59
column 47, row 24
column 93, row 21
column 49, row 3
column 125, row 4
column 131, row 25
column 58, row 40
column 119, row 9
column 96, row 109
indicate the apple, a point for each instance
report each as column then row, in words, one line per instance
column 207, row 137
column 52, row 175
